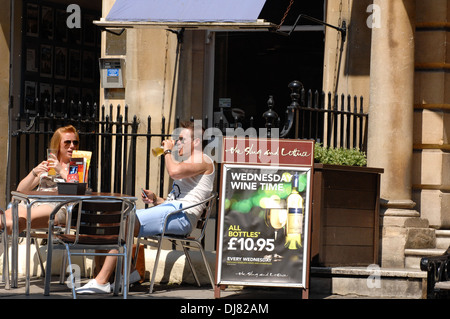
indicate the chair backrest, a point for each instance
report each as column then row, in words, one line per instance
column 99, row 217
column 206, row 214
column 98, row 221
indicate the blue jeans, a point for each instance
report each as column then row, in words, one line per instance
column 152, row 220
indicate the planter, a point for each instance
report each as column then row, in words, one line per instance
column 345, row 221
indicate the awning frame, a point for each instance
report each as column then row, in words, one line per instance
column 342, row 29
column 260, row 24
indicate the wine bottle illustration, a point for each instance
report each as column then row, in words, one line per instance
column 295, row 216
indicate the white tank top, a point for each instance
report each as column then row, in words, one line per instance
column 192, row 190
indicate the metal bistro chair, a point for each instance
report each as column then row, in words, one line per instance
column 184, row 240
column 100, row 223
column 4, row 239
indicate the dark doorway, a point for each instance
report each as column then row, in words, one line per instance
column 251, row 66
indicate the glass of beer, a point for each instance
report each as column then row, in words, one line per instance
column 51, row 157
column 157, row 151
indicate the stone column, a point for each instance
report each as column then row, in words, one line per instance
column 390, row 138
column 390, row 133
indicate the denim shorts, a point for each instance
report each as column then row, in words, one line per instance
column 152, row 220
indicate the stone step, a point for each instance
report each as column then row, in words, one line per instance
column 442, row 238
column 413, row 256
column 369, row 282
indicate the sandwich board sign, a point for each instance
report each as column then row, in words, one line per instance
column 264, row 213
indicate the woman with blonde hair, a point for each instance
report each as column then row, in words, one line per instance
column 65, row 140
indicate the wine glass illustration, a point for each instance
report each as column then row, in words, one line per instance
column 276, row 213
column 277, row 218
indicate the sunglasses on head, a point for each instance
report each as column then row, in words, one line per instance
column 68, row 142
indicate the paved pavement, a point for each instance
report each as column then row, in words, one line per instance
column 189, row 301
column 175, row 301
column 141, row 291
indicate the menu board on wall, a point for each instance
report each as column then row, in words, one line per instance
column 264, row 212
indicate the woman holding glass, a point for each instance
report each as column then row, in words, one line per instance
column 64, row 141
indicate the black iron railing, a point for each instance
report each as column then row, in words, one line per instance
column 333, row 120
column 345, row 123
column 438, row 275
column 113, row 140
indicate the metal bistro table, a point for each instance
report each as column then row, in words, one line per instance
column 30, row 198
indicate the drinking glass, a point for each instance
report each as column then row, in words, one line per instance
column 51, row 155
column 158, row 151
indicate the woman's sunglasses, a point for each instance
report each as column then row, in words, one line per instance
column 68, row 142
